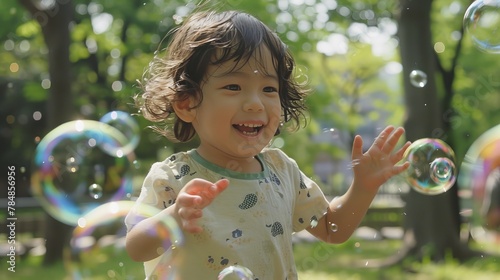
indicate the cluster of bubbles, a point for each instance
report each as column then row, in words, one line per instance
column 481, row 22
column 82, row 176
column 480, row 161
column 432, row 166
column 84, row 163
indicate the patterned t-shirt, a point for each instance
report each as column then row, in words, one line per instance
column 249, row 224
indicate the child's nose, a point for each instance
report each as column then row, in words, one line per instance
column 253, row 103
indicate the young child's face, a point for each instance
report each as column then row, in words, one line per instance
column 241, row 108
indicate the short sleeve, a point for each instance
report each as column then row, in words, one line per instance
column 309, row 202
column 310, row 205
column 157, row 191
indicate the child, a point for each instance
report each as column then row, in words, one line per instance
column 228, row 80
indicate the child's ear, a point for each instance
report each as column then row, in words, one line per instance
column 184, row 109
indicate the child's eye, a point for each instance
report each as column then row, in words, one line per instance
column 270, row 89
column 232, row 87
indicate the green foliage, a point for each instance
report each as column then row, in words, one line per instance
column 351, row 91
column 476, row 86
column 121, row 51
column 28, row 29
column 33, row 92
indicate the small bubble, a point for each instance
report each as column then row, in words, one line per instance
column 441, row 170
column 418, row 78
column 95, row 191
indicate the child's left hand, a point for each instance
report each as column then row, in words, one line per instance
column 379, row 163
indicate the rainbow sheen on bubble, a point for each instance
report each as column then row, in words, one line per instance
column 481, row 161
column 127, row 125
column 97, row 247
column 236, row 272
column 481, row 21
column 432, row 166
column 75, row 169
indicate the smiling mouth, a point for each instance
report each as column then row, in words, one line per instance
column 248, row 129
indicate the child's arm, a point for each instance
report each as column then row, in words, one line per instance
column 371, row 170
column 197, row 194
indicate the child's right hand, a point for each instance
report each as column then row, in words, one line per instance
column 194, row 196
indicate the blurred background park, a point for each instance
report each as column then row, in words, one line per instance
column 428, row 65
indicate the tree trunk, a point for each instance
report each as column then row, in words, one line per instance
column 55, row 23
column 432, row 229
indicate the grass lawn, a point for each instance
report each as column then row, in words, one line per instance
column 315, row 261
column 354, row 259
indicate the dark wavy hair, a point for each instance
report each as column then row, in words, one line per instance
column 205, row 38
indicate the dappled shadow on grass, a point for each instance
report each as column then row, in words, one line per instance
column 351, row 260
column 316, row 258
column 31, row 267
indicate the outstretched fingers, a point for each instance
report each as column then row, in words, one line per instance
column 196, row 195
column 393, row 140
column 205, row 191
column 357, row 147
column 397, row 157
column 382, row 138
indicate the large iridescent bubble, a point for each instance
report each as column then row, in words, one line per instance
column 76, row 168
column 97, row 247
column 432, row 166
column 127, row 125
column 482, row 158
column 481, row 21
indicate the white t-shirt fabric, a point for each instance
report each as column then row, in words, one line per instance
column 249, row 224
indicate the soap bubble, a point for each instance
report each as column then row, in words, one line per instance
column 432, row 166
column 74, row 173
column 95, row 191
column 441, row 170
column 481, row 161
column 418, row 78
column 236, row 272
column 127, row 125
column 481, row 21
column 97, row 247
